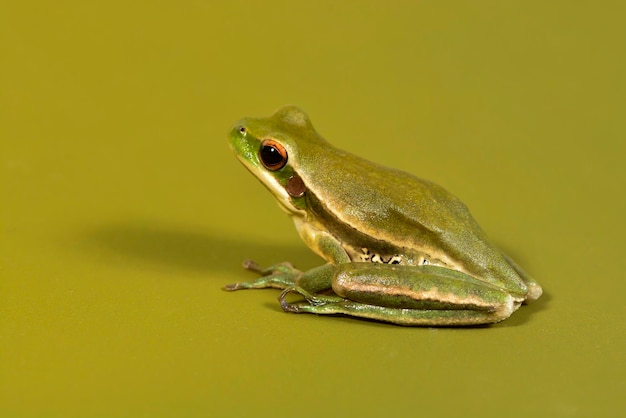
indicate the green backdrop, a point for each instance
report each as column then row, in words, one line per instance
column 124, row 212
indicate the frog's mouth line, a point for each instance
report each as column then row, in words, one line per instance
column 282, row 197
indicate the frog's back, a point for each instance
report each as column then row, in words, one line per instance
column 412, row 213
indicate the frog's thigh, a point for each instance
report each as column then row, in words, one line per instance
column 417, row 295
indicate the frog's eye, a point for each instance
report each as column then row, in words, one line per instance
column 273, row 155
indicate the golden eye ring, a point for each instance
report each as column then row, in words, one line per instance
column 272, row 154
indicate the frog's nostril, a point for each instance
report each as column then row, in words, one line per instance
column 242, row 129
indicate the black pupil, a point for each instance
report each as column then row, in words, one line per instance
column 270, row 156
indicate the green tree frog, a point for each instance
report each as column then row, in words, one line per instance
column 397, row 248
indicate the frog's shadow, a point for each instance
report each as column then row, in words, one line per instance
column 204, row 252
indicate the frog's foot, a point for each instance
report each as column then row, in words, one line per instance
column 278, row 276
column 311, row 300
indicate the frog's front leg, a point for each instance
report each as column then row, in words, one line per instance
column 278, row 276
column 285, row 275
column 409, row 295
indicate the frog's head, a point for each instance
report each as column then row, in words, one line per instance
column 271, row 149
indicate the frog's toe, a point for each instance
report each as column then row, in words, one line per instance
column 284, row 268
column 286, row 306
column 290, row 307
column 297, row 307
column 230, row 286
column 235, row 286
column 252, row 265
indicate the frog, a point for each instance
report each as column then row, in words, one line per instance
column 397, row 248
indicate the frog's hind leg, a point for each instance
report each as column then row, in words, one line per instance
column 409, row 295
column 405, row 316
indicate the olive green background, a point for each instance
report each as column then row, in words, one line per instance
column 124, row 212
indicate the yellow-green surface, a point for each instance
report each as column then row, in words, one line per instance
column 124, row 212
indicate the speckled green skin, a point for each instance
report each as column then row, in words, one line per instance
column 447, row 272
